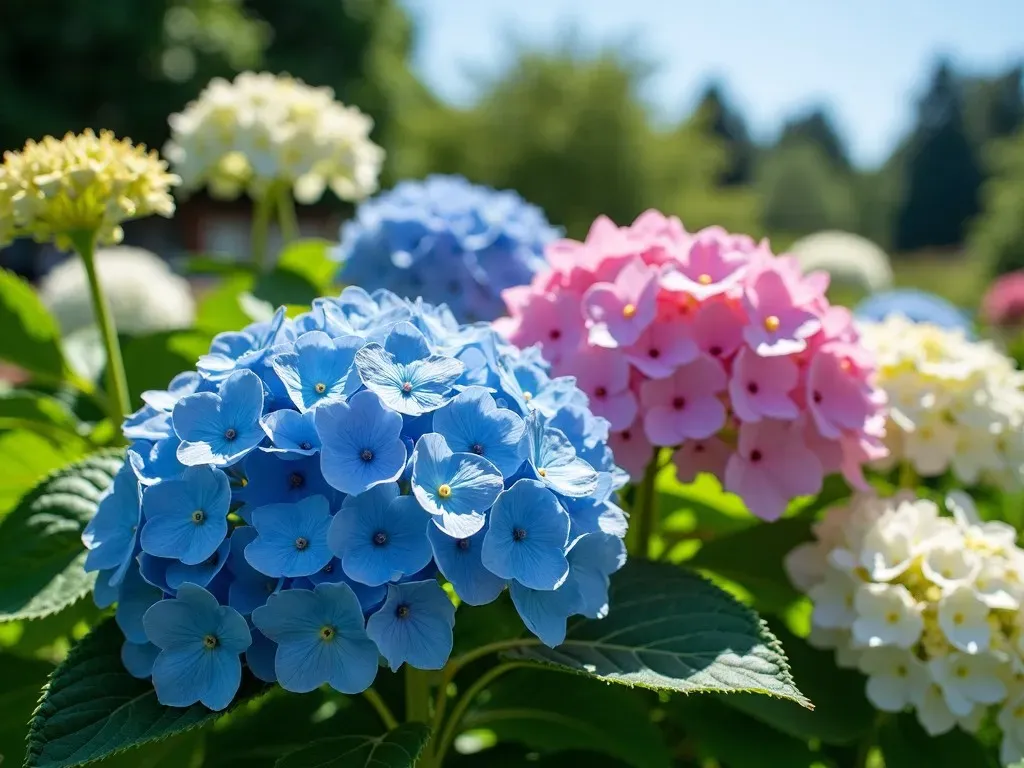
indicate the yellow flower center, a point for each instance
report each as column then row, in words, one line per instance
column 444, row 491
column 527, row 396
column 961, row 672
column 628, row 311
column 327, row 633
column 320, row 387
column 892, row 617
column 198, row 516
column 704, row 279
column 958, row 619
column 210, row 642
column 542, row 472
column 771, row 323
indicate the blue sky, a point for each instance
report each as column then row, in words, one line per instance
column 864, row 59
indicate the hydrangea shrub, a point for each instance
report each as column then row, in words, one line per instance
column 926, row 606
column 709, row 344
column 298, row 501
column 446, row 240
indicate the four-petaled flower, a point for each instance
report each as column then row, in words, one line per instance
column 186, row 518
column 200, row 642
column 553, row 460
column 414, row 625
column 291, row 538
column 220, row 428
column 473, row 423
column 292, row 434
column 459, row 561
column 320, row 639
column 319, row 369
column 620, row 311
column 686, row 405
column 362, row 444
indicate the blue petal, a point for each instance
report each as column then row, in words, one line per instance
column 156, row 461
column 406, row 344
column 219, row 429
column 527, row 536
column 292, row 538
column 171, row 509
column 249, row 589
column 182, row 622
column 154, row 571
column 554, row 460
column 182, row 677
column 147, row 424
column 260, row 657
column 370, row 598
column 414, row 625
column 545, row 612
column 362, row 444
column 459, row 561
column 138, row 658
column 270, row 478
column 473, row 423
column 414, row 388
column 104, row 594
column 135, row 600
column 110, row 535
column 319, row 369
column 473, row 483
column 592, row 560
column 292, row 434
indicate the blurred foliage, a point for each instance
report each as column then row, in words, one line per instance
column 998, row 237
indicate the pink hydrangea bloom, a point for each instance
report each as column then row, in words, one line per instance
column 709, row 344
column 1003, row 303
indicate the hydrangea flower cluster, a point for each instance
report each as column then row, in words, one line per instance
column 954, row 404
column 927, row 606
column 708, row 343
column 127, row 275
column 448, row 241
column 300, row 498
column 1003, row 303
column 851, row 261
column 82, row 182
column 264, row 129
column 916, row 306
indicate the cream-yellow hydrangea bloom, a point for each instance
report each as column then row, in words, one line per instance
column 81, row 183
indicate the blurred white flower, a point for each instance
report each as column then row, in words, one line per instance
column 262, row 130
column 850, row 260
column 954, row 404
column 926, row 606
column 145, row 295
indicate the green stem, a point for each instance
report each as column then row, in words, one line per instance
column 286, row 217
column 642, row 522
column 389, row 720
column 118, row 403
column 908, row 477
column 417, row 707
column 260, row 229
column 451, row 728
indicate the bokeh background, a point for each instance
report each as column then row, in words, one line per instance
column 900, row 121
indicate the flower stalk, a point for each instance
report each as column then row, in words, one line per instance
column 118, row 403
column 286, row 216
column 261, row 230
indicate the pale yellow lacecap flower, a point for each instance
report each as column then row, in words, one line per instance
column 81, row 183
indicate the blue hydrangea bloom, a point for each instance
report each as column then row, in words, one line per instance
column 321, row 638
column 448, row 241
column 915, row 305
column 200, row 642
column 325, row 527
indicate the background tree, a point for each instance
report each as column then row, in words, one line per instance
column 728, row 125
column 997, row 237
column 816, row 127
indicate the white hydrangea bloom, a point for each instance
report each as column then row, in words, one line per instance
column 264, row 129
column 145, row 295
column 925, row 605
column 954, row 404
column 849, row 259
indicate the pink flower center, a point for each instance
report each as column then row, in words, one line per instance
column 600, row 393
column 715, row 351
column 679, row 403
column 626, row 435
column 755, row 456
column 816, row 396
column 554, row 334
column 654, row 353
column 698, row 448
column 752, row 388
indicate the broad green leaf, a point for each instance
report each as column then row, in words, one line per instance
column 19, row 692
column 310, row 258
column 842, row 713
column 399, row 748
column 733, row 739
column 26, row 458
column 50, row 637
column 30, row 337
column 478, row 625
column 41, row 552
column 24, row 409
column 281, row 287
column 182, row 751
column 257, row 733
column 219, row 309
column 671, row 629
column 753, row 558
column 92, row 708
column 905, row 744
column 556, row 713
column 700, row 507
column 150, row 362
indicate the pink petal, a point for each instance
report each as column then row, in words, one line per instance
column 754, row 486
column 662, row 426
column 632, row 451
column 704, row 376
column 620, row 409
column 701, row 418
column 718, row 329
column 696, row 456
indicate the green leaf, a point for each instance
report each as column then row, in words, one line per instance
column 842, row 714
column 671, row 629
column 310, row 258
column 150, row 362
column 26, row 458
column 555, row 713
column 24, row 409
column 905, row 744
column 753, row 558
column 22, row 680
column 733, row 739
column 399, row 748
column 92, row 708
column 282, row 287
column 219, row 309
column 41, row 552
column 30, row 337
